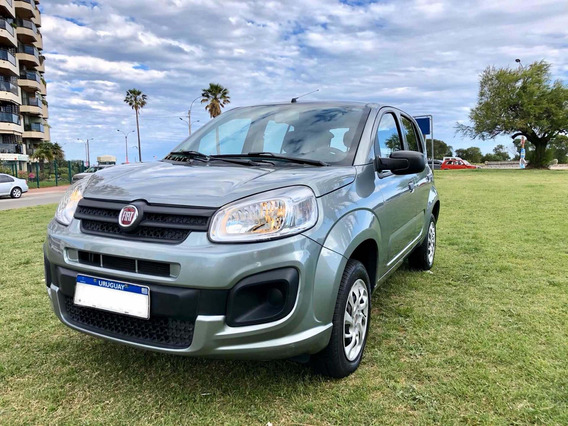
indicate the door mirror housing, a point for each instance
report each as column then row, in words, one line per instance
column 402, row 163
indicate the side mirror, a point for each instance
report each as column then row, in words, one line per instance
column 402, row 163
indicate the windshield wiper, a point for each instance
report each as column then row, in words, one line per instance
column 279, row 157
column 192, row 155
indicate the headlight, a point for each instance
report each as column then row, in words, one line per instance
column 265, row 216
column 68, row 203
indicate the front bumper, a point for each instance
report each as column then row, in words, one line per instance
column 205, row 272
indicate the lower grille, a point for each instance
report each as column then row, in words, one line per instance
column 148, row 267
column 159, row 332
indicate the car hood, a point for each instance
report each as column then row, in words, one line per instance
column 207, row 185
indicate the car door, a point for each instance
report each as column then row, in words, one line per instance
column 5, row 184
column 423, row 180
column 395, row 216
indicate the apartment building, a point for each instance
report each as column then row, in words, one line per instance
column 23, row 105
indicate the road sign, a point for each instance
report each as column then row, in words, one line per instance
column 425, row 124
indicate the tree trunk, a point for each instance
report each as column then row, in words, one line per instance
column 138, row 132
column 538, row 160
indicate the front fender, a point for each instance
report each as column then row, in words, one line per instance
column 342, row 240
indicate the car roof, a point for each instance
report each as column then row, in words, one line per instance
column 321, row 104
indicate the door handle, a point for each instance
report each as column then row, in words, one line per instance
column 411, row 185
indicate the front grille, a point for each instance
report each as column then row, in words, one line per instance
column 126, row 264
column 162, row 224
column 159, row 331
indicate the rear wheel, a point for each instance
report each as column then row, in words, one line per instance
column 423, row 256
column 351, row 318
column 16, row 192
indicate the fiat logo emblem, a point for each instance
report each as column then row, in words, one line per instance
column 127, row 216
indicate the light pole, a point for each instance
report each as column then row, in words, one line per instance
column 189, row 115
column 188, row 123
column 135, row 146
column 125, row 141
column 88, row 150
column 518, row 61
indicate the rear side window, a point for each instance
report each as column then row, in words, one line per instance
column 412, row 137
column 4, row 178
column 388, row 136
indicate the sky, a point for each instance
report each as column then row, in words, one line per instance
column 422, row 56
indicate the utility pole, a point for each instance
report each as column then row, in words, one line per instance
column 189, row 113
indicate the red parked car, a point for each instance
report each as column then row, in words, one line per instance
column 456, row 163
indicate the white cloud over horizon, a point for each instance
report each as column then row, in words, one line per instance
column 422, row 56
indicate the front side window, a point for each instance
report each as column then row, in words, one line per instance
column 313, row 132
column 388, row 136
column 412, row 137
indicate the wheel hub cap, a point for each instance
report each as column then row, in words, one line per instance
column 431, row 242
column 355, row 320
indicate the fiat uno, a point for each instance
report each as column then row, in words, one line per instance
column 261, row 236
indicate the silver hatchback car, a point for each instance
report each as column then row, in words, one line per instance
column 260, row 236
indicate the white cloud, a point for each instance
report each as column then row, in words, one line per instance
column 424, row 56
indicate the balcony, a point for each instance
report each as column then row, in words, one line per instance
column 9, row 89
column 8, row 60
column 28, row 55
column 10, row 122
column 7, row 33
column 27, row 31
column 33, row 131
column 25, row 8
column 32, row 106
column 30, row 81
column 7, row 8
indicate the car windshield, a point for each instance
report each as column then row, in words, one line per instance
column 91, row 170
column 328, row 133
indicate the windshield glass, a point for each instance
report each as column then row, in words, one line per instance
column 91, row 170
column 315, row 132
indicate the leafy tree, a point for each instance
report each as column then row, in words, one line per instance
column 136, row 100
column 559, row 148
column 472, row 154
column 499, row 154
column 216, row 97
column 441, row 149
column 523, row 101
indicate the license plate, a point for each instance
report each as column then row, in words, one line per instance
column 113, row 296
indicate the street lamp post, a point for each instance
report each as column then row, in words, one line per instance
column 125, row 142
column 88, row 150
column 136, row 147
column 189, row 114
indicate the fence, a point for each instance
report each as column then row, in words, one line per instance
column 41, row 175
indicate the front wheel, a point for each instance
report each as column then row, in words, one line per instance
column 351, row 318
column 423, row 256
column 16, row 192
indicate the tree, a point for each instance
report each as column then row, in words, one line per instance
column 58, row 153
column 43, row 153
column 136, row 100
column 216, row 97
column 523, row 101
column 441, row 149
column 499, row 154
column 472, row 154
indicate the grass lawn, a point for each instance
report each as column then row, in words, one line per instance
column 481, row 339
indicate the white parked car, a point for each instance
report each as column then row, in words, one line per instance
column 12, row 186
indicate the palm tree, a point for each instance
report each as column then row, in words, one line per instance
column 57, row 151
column 216, row 97
column 43, row 153
column 137, row 100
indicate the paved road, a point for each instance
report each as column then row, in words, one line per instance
column 34, row 197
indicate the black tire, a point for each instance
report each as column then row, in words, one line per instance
column 16, row 192
column 420, row 257
column 333, row 361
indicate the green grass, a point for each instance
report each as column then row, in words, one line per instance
column 481, row 339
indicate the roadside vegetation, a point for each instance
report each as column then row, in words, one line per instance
column 481, row 339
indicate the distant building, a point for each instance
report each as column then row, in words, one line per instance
column 23, row 108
